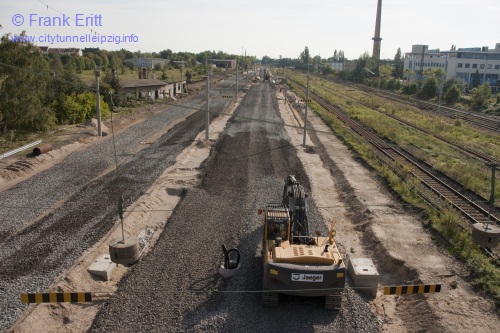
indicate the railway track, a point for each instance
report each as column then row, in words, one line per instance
column 472, row 206
column 479, row 121
column 38, row 246
column 458, row 145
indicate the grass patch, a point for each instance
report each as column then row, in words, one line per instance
column 470, row 172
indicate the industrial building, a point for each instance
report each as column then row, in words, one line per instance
column 223, row 63
column 150, row 87
column 463, row 63
column 147, row 62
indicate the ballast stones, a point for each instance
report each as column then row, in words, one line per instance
column 124, row 252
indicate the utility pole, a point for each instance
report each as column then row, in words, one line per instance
column 98, row 102
column 208, row 106
column 492, row 194
column 307, row 104
column 421, row 77
column 236, row 97
column 443, row 79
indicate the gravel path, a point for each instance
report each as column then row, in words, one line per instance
column 176, row 287
column 30, row 260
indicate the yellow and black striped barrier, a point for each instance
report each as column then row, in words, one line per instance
column 412, row 289
column 304, row 100
column 57, row 298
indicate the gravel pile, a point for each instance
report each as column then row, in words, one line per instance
column 176, row 287
column 33, row 258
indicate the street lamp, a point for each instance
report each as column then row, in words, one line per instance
column 182, row 65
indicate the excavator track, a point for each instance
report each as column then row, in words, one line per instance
column 333, row 302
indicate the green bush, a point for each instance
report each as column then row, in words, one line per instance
column 481, row 95
column 393, row 84
column 77, row 108
column 452, row 95
column 429, row 89
column 409, row 89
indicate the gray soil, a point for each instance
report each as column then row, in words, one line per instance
column 175, row 287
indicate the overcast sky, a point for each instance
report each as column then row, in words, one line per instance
column 261, row 27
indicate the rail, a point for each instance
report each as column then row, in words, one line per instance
column 17, row 150
column 474, row 209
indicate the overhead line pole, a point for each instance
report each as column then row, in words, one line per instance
column 98, row 102
column 307, row 104
column 236, row 97
column 207, row 123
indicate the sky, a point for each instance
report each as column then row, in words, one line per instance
column 272, row 27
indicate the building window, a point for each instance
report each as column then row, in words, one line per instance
column 490, row 66
column 497, row 66
column 481, row 66
column 460, row 65
column 467, row 65
column 474, row 65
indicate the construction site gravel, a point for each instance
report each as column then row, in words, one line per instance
column 176, row 287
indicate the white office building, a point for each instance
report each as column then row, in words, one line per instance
column 460, row 62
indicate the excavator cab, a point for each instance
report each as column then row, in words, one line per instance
column 277, row 228
column 277, row 222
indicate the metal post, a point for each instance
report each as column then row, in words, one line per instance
column 492, row 195
column 307, row 104
column 182, row 86
column 98, row 102
column 443, row 82
column 421, row 78
column 236, row 97
column 208, row 107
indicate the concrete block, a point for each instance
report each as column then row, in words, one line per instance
column 102, row 267
column 364, row 274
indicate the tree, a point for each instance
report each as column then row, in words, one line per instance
column 452, row 90
column 164, row 76
column 409, row 74
column 481, row 95
column 266, row 60
column 316, row 61
column 429, row 88
column 304, row 58
column 111, row 83
column 476, row 80
column 361, row 64
column 166, row 54
column 452, row 95
column 24, row 75
column 454, row 81
column 327, row 70
column 398, row 65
